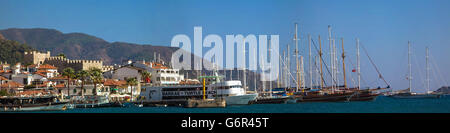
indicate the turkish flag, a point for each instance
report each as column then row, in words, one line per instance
column 354, row 70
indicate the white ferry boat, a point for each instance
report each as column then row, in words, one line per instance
column 232, row 91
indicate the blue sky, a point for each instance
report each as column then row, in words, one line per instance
column 383, row 26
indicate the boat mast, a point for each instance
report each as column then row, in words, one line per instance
column 317, row 84
column 331, row 57
column 358, row 64
column 263, row 75
column 302, row 73
column 335, row 70
column 320, row 61
column 283, row 72
column 428, row 70
column 343, row 63
column 409, row 66
column 310, row 66
column 270, row 74
column 254, row 57
column 296, row 58
column 243, row 69
column 288, row 67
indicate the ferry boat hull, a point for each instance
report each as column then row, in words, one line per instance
column 40, row 107
column 205, row 103
column 240, row 99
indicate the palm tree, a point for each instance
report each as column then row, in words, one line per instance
column 96, row 76
column 69, row 73
column 132, row 82
column 82, row 75
column 146, row 76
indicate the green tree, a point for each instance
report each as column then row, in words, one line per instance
column 70, row 74
column 4, row 92
column 82, row 75
column 132, row 82
column 12, row 51
column 96, row 77
column 146, row 76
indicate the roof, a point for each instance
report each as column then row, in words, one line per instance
column 11, row 84
column 30, row 92
column 46, row 66
column 59, row 78
column 112, row 82
column 3, row 71
column 158, row 66
column 60, row 86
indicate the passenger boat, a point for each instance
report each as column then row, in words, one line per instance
column 35, row 107
column 91, row 102
column 231, row 91
column 45, row 103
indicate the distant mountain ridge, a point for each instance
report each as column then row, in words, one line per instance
column 83, row 46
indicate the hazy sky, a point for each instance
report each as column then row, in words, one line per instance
column 383, row 26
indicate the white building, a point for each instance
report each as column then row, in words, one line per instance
column 164, row 75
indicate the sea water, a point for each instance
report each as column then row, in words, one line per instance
column 381, row 105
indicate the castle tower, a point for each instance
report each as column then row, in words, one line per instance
column 35, row 57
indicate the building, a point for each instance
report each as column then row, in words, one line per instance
column 44, row 70
column 11, row 86
column 35, row 57
column 60, row 62
column 164, row 75
column 126, row 72
column 4, row 66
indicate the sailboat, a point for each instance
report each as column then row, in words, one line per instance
column 407, row 93
column 325, row 94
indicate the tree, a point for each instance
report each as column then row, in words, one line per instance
column 61, row 54
column 96, row 76
column 13, row 51
column 132, row 82
column 146, row 76
column 70, row 74
column 82, row 75
column 4, row 92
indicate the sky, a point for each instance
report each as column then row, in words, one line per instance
column 383, row 26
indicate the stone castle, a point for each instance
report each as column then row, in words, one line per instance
column 35, row 57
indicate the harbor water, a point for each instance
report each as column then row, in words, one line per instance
column 381, row 105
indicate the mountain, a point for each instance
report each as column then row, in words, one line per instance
column 83, row 46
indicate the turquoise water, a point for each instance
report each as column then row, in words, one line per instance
column 380, row 105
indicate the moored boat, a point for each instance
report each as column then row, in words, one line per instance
column 205, row 103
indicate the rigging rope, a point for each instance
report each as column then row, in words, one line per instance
column 371, row 61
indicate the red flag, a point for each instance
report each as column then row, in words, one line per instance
column 354, row 70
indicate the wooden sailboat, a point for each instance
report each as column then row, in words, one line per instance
column 408, row 94
column 324, row 94
column 362, row 95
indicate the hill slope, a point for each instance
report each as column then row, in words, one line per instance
column 12, row 51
